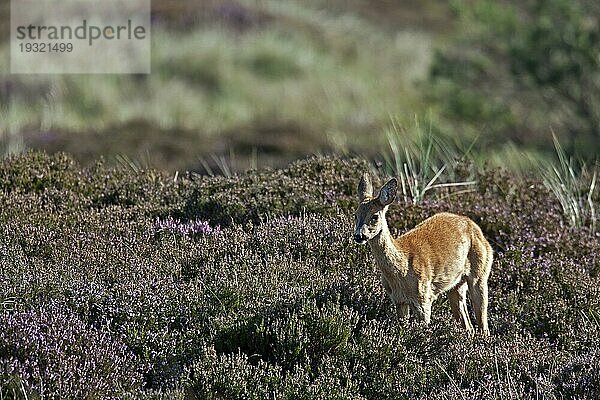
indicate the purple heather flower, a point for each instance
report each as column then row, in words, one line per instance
column 185, row 228
column 52, row 353
column 285, row 220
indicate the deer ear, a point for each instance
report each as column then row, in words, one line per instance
column 365, row 187
column 387, row 194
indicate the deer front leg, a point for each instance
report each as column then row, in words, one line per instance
column 402, row 310
column 426, row 311
column 423, row 311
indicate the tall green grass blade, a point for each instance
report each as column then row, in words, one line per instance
column 422, row 161
column 568, row 183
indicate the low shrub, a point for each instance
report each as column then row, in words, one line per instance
column 133, row 284
column 49, row 352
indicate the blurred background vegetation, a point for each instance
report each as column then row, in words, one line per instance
column 252, row 83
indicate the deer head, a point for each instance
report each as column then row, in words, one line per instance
column 370, row 214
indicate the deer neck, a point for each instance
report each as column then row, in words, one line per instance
column 388, row 257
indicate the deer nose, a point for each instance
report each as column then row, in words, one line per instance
column 359, row 237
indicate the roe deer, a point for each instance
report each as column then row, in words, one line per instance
column 444, row 253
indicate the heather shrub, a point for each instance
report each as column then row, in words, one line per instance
column 318, row 185
column 117, row 283
column 579, row 377
column 49, row 352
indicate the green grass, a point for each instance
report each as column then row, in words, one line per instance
column 424, row 161
column 305, row 66
column 574, row 186
column 295, row 78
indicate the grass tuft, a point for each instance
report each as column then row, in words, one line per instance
column 573, row 185
column 423, row 161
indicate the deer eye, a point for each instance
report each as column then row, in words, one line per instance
column 373, row 219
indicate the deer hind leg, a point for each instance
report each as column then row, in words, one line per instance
column 457, row 297
column 479, row 298
column 481, row 262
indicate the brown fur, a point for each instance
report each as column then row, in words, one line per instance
column 446, row 253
